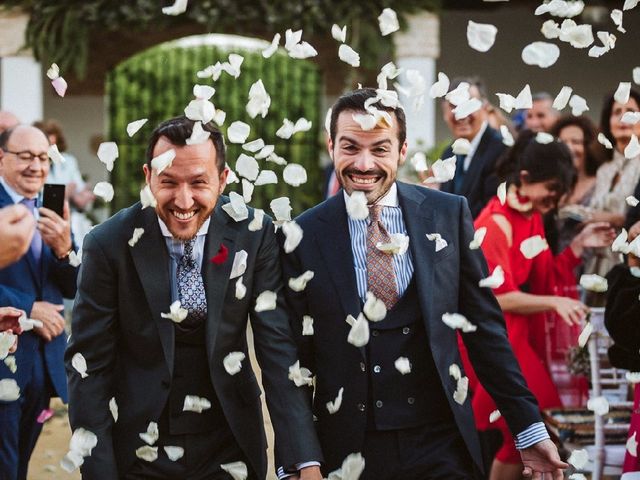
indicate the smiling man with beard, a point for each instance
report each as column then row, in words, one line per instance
column 169, row 366
column 389, row 394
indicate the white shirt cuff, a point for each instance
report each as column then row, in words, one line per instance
column 299, row 466
column 530, row 436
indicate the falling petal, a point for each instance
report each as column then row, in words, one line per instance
column 271, row 49
column 636, row 75
column 259, row 101
column 608, row 42
column 630, row 117
column 55, row 155
column 583, row 338
column 79, row 363
column 307, row 325
column 200, row 110
column 359, row 333
column 300, row 375
column 299, row 283
column 403, row 365
column 133, row 127
column 461, row 146
column 533, row 246
column 193, row 403
column 603, row 140
column 550, row 29
column 237, row 470
column 481, row 36
column 265, row 152
column 620, row 243
column 137, row 233
column 9, row 390
column 254, row 145
column 440, row 242
column 495, row 280
column 507, row 138
column 419, row 162
column 579, row 459
column 247, row 167
column 458, row 321
column 293, row 234
column 294, row 174
column 594, row 283
column 397, row 245
column 247, row 190
column 241, row 289
column 541, row 54
column 113, row 408
column 357, row 206
column 374, row 308
column 146, row 197
column 351, row 469
column 198, row 135
column 147, row 453
column 632, row 150
column 238, row 132
column 494, row 416
column 441, row 87
column 579, row 36
column 334, row 406
column 281, row 208
column 256, row 224
column 349, row 55
column 80, row 445
column 104, row 190
column 562, row 98
column 11, row 364
column 178, row 7
column 233, row 362
column 266, row 301
column 163, row 161
column 544, row 138
column 327, row 122
column 616, row 17
column 462, row 389
column 622, row 92
column 598, row 405
column 442, row 170
column 174, row 453
column 151, row 435
column 578, row 105
column 467, row 107
column 339, row 34
column 632, row 445
column 107, row 153
column 388, row 22
column 629, row 4
column 632, row 201
column 7, row 340
column 459, row 95
column 478, row 238
column 266, row 177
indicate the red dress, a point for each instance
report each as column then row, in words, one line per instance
column 543, row 269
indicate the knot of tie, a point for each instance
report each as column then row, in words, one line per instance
column 30, row 203
column 374, row 213
column 187, row 255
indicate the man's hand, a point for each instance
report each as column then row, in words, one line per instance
column 56, row 231
column 10, row 319
column 593, row 235
column 16, row 230
column 49, row 315
column 307, row 473
column 542, row 458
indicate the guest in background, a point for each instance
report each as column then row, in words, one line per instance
column 541, row 116
column 633, row 214
column 7, row 120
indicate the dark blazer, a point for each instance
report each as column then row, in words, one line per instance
column 447, row 281
column 480, row 182
column 22, row 284
column 633, row 214
column 129, row 347
column 622, row 318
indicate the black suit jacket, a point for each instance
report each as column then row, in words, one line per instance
column 129, row 347
column 621, row 318
column 633, row 214
column 447, row 281
column 480, row 182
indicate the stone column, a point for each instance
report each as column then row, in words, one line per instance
column 20, row 73
column 417, row 48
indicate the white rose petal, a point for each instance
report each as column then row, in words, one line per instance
column 298, row 284
column 27, row 324
column 502, row 192
column 608, row 42
column 247, row 167
column 176, row 313
column 55, row 155
column 11, row 364
column 478, row 238
column 237, row 470
column 113, row 408
column 307, row 325
column 628, row 5
column 146, row 197
column 562, row 98
column 462, row 389
column 578, row 105
column 281, row 208
column 254, row 145
column 351, row 469
column 561, row 8
column 359, row 333
column 419, row 162
column 193, row 403
column 388, row 71
column 233, row 362
column 349, row 55
column 579, row 459
column 133, row 127
column 457, row 321
column 403, row 365
column 620, row 243
column 632, row 445
column 550, row 29
column 239, row 264
column 494, row 416
column 198, row 135
column 53, row 72
column 174, row 453
column 236, row 208
column 541, row 54
column 334, row 406
column 632, row 377
column 241, row 289
column 398, row 244
column 388, row 22
column 598, row 405
column 137, row 233
column 107, row 153
column 544, row 138
column 441, row 87
column 266, row 301
column 523, row 100
column 365, row 120
column 327, row 122
column 495, row 280
column 632, row 201
column 622, row 92
column 630, row 117
column 300, row 375
column 616, row 17
column 467, row 108
column 357, row 206
column 293, row 236
column 632, row 150
column 9, row 390
column 579, row 36
column 151, row 435
column 636, row 75
column 294, row 174
column 147, row 453
column 585, row 334
column 178, row 7
column 339, row 34
column 238, row 132
column 440, row 242
column 442, row 170
column 79, row 363
column 201, row 110
column 481, row 36
column 259, row 101
column 265, row 152
column 163, row 161
column 266, row 177
column 374, row 308
column 461, row 146
column 60, row 86
column 593, row 283
column 7, row 340
column 271, row 49
column 256, row 224
column 104, row 190
column 533, row 246
column 507, row 138
column 603, row 140
column 80, row 445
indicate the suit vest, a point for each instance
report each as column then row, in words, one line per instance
column 398, row 401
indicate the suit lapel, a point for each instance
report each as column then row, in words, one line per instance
column 477, row 162
column 151, row 259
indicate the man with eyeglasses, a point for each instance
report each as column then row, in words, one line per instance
column 36, row 284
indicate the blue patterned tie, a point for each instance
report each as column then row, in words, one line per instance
column 36, row 241
column 190, row 287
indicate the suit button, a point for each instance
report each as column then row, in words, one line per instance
column 362, row 366
column 406, row 330
column 379, row 403
column 375, row 333
column 377, row 369
column 411, row 400
column 361, row 407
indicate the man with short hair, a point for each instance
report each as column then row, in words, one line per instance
column 475, row 176
column 36, row 284
column 541, row 116
column 160, row 318
column 369, row 324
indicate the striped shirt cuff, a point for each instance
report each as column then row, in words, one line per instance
column 533, row 434
column 299, row 466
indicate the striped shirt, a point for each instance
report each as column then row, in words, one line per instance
column 393, row 222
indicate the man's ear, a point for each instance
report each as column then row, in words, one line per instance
column 330, row 147
column 403, row 153
column 147, row 173
column 223, row 180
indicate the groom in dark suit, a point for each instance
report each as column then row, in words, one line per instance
column 397, row 395
column 162, row 329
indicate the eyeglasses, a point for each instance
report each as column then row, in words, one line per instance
column 27, row 156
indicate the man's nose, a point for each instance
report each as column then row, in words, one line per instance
column 364, row 162
column 184, row 198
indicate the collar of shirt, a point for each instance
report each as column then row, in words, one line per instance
column 474, row 145
column 15, row 196
column 389, row 199
column 166, row 233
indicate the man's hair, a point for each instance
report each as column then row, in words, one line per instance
column 354, row 101
column 473, row 81
column 5, row 136
column 538, row 96
column 178, row 129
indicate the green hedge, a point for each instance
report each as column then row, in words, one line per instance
column 157, row 84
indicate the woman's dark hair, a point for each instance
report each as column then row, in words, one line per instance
column 178, row 129
column 605, row 117
column 544, row 162
column 52, row 127
column 593, row 151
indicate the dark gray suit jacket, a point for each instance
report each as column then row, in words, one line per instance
column 129, row 347
column 447, row 281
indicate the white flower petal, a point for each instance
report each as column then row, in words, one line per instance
column 632, row 201
column 533, row 246
column 349, row 55
column 241, row 289
column 133, row 127
column 247, row 167
column 632, row 150
column 104, row 190
column 441, row 87
column 107, row 153
column 281, row 208
column 294, row 174
column 7, row 340
column 147, row 453
column 327, row 122
column 271, row 49
column 307, row 325
column 457, row 321
column 79, row 363
column 265, row 152
column 632, row 445
column 151, row 435
column 461, row 146
column 259, row 101
column 388, row 22
column 507, row 138
column 178, row 7
column 602, row 139
column 146, row 197
column 583, row 338
column 550, row 29
column 630, row 117
column 578, row 105
column 174, row 453
column 357, row 206
column 163, row 161
column 374, row 308
column 467, row 107
column 359, row 333
column 233, row 362
column 334, row 405
column 266, row 301
column 541, row 54
column 579, row 36
column 403, row 365
column 298, row 284
column 594, row 283
column 616, row 17
column 494, row 416
column 397, row 245
column 55, row 155
column 9, row 390
column 351, row 469
column 598, row 405
column 113, row 408
column 462, row 389
column 495, row 280
column 137, row 233
column 622, row 92
column 53, row 72
column 247, row 190
column 442, row 170
column 266, row 177
column 254, row 145
column 478, row 238
column 562, row 98
column 239, row 264
column 176, row 313
column 80, row 445
column 193, row 403
column 629, row 4
column 302, row 50
column 579, row 459
column 238, row 132
column 198, row 135
column 256, row 224
column 419, row 162
column 200, row 110
column 237, row 470
column 458, row 95
column 636, row 75
column 440, row 242
column 339, row 34
column 620, row 243
column 293, row 234
column 365, row 120
column 608, row 42
column 300, row 375
column 481, row 36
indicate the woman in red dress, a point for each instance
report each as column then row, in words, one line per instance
column 538, row 174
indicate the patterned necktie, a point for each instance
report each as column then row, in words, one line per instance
column 36, row 241
column 190, row 287
column 381, row 278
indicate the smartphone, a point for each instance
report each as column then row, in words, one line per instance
column 53, row 197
